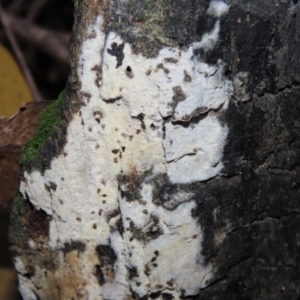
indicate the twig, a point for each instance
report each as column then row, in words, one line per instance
column 35, row 9
column 54, row 43
column 15, row 6
column 20, row 57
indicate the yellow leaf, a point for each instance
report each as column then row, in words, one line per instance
column 14, row 89
column 8, row 285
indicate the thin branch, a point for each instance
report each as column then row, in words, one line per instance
column 15, row 6
column 53, row 43
column 20, row 57
column 35, row 9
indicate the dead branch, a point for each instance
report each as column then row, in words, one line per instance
column 19, row 55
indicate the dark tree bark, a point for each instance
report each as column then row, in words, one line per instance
column 174, row 170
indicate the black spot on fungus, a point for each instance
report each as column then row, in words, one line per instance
column 140, row 116
column 99, row 275
column 116, row 160
column 98, row 71
column 30, row 271
column 120, row 226
column 170, row 282
column 153, row 259
column 179, row 94
column 129, row 72
column 117, row 51
column 115, row 151
column 73, row 246
column 166, row 296
column 146, row 270
column 36, row 222
column 171, row 60
column 156, row 252
column 49, row 265
column 153, row 231
column 53, row 186
column 155, row 295
column 187, row 77
column 123, row 148
column 161, row 66
column 132, row 272
column 113, row 214
column 47, row 188
column 97, row 115
column 94, row 226
column 155, row 265
column 138, row 131
column 182, row 293
column 106, row 255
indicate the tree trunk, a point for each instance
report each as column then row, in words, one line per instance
column 169, row 168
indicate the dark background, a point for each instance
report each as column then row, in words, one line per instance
column 50, row 72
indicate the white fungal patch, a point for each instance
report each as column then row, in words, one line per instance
column 201, row 145
column 143, row 119
column 217, row 8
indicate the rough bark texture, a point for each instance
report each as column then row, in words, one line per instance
column 175, row 173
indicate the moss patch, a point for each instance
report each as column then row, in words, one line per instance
column 17, row 234
column 19, row 204
column 49, row 119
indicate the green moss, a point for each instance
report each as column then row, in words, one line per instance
column 19, row 204
column 49, row 119
column 16, row 233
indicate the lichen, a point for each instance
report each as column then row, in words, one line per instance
column 49, row 119
column 145, row 28
column 154, row 26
